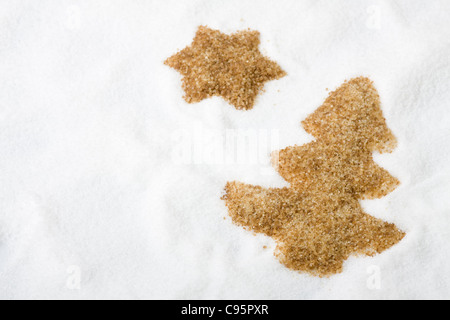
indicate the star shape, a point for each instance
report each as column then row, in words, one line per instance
column 230, row 66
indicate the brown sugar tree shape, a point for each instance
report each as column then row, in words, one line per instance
column 318, row 221
column 230, row 66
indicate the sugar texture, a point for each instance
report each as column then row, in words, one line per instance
column 217, row 64
column 90, row 116
column 318, row 222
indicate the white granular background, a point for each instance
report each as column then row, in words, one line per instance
column 96, row 202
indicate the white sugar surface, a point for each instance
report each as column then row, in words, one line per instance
column 95, row 203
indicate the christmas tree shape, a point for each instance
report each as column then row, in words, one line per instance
column 318, row 221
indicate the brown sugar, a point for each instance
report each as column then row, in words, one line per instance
column 230, row 66
column 318, row 221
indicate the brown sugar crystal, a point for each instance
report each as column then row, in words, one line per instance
column 318, row 221
column 230, row 66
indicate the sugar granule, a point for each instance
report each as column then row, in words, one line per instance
column 318, row 222
column 230, row 66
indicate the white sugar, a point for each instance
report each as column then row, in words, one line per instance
column 93, row 202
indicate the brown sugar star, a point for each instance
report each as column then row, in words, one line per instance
column 318, row 221
column 230, row 66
